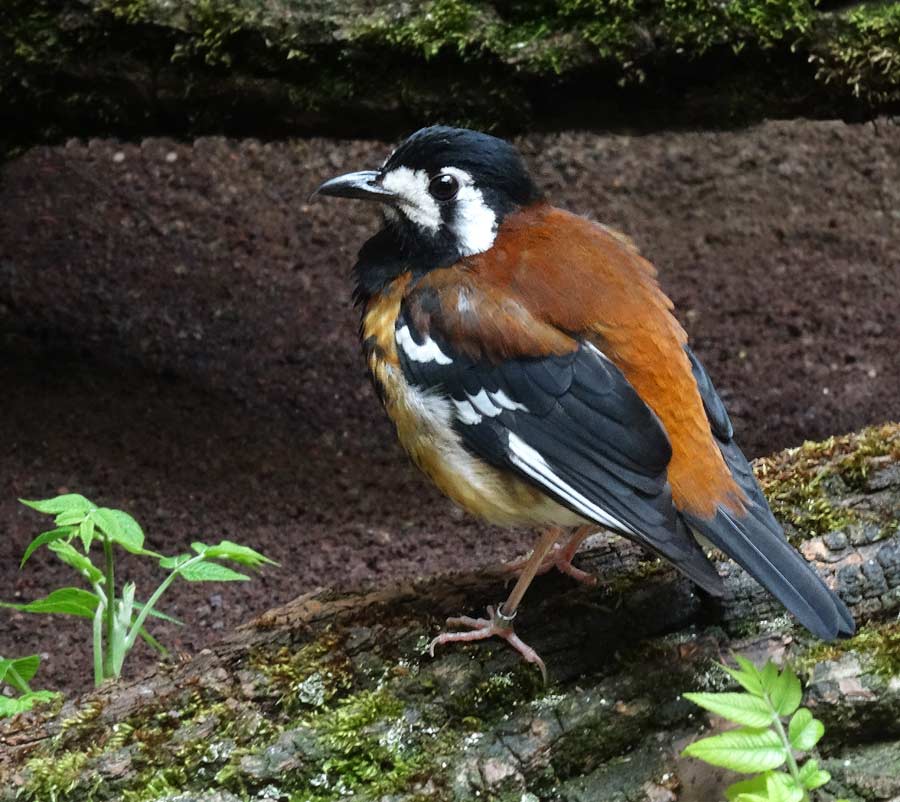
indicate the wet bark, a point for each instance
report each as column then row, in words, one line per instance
column 332, row 693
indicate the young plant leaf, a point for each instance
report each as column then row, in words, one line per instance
column 79, row 562
column 785, row 692
column 120, row 528
column 86, row 533
column 70, row 518
column 812, row 776
column 210, row 572
column 122, row 619
column 18, row 672
column 804, row 731
column 742, row 708
column 763, row 786
column 174, row 561
column 755, row 785
column 768, row 676
column 744, row 750
column 11, row 707
column 63, row 601
column 782, row 787
column 130, row 528
column 746, row 676
column 227, row 550
column 70, row 502
column 47, row 537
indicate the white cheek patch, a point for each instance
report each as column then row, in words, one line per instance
column 413, row 197
column 429, row 351
column 474, row 222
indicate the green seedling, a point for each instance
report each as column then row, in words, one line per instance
column 774, row 734
column 17, row 674
column 119, row 619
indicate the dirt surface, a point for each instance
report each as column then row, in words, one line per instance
column 177, row 339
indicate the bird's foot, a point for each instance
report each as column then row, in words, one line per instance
column 560, row 558
column 496, row 625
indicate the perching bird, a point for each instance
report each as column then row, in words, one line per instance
column 534, row 370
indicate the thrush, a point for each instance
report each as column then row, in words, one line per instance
column 535, row 371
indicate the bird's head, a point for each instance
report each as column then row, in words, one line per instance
column 444, row 192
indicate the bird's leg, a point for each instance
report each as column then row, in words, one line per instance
column 560, row 557
column 500, row 620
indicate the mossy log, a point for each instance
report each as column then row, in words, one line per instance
column 140, row 67
column 331, row 695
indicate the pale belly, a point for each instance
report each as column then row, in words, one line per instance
column 424, row 427
column 424, row 421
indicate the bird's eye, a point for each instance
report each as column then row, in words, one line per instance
column 443, row 187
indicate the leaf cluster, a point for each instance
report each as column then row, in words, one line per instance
column 17, row 673
column 763, row 745
column 118, row 617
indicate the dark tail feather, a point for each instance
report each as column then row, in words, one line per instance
column 692, row 561
column 779, row 568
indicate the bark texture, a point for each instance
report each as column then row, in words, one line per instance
column 332, row 695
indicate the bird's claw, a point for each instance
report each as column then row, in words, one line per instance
column 496, row 625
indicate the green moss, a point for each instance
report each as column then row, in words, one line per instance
column 477, row 62
column 496, row 694
column 84, row 718
column 554, row 38
column 215, row 24
column 431, row 27
column 633, row 34
column 877, row 643
column 60, row 777
column 365, row 748
column 307, row 678
column 627, row 581
column 796, row 481
column 865, row 450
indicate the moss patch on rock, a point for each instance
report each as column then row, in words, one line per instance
column 138, row 67
column 270, row 732
column 802, row 484
column 878, row 644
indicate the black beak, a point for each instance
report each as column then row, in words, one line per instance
column 364, row 185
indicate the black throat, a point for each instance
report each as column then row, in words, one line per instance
column 398, row 248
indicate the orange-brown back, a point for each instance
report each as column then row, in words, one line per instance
column 551, row 276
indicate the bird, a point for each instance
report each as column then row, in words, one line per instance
column 535, row 371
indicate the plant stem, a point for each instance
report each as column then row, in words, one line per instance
column 791, row 760
column 98, row 646
column 98, row 634
column 148, row 606
column 110, row 604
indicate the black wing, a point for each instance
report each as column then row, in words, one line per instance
column 756, row 540
column 571, row 425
